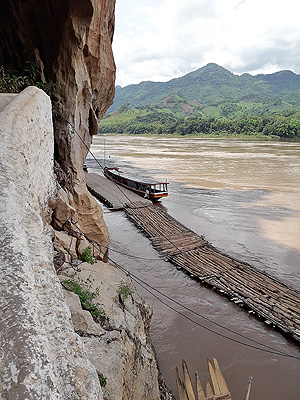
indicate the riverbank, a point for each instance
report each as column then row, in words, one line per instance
column 206, row 136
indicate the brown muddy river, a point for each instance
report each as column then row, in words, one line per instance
column 245, row 198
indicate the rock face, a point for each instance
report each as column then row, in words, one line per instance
column 121, row 351
column 46, row 351
column 40, row 354
column 70, row 41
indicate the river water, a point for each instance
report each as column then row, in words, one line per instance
column 244, row 197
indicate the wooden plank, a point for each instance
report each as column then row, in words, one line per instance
column 213, row 378
column 209, row 390
column 219, row 376
column 180, row 387
column 200, row 391
column 188, row 382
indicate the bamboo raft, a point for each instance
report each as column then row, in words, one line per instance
column 269, row 298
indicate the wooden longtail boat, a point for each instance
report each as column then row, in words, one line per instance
column 153, row 191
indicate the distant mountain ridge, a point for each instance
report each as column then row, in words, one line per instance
column 212, row 85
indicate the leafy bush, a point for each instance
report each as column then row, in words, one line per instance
column 84, row 291
column 125, row 291
column 87, row 256
column 14, row 81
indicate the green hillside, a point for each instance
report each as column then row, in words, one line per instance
column 213, row 85
column 209, row 101
column 171, row 118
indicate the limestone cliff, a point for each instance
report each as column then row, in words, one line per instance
column 70, row 41
column 44, row 353
column 121, row 350
column 37, row 338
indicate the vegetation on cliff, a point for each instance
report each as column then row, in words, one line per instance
column 86, row 295
column 12, row 81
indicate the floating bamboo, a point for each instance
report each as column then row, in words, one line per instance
column 215, row 389
column 274, row 301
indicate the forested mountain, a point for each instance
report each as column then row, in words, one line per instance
column 209, row 101
column 213, row 85
column 157, row 119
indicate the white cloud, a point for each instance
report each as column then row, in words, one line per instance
column 162, row 39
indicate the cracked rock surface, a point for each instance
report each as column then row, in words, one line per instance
column 41, row 357
column 121, row 350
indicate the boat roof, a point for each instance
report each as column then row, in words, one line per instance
column 149, row 182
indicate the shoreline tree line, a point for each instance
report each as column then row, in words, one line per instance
column 150, row 120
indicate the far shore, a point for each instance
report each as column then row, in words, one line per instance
column 209, row 136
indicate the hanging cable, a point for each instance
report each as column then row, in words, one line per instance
column 274, row 352
column 152, row 290
column 97, row 161
column 146, row 287
column 149, row 289
column 114, row 250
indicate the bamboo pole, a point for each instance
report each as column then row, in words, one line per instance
column 200, row 391
column 188, row 382
column 247, row 397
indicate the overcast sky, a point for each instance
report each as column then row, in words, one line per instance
column 159, row 40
